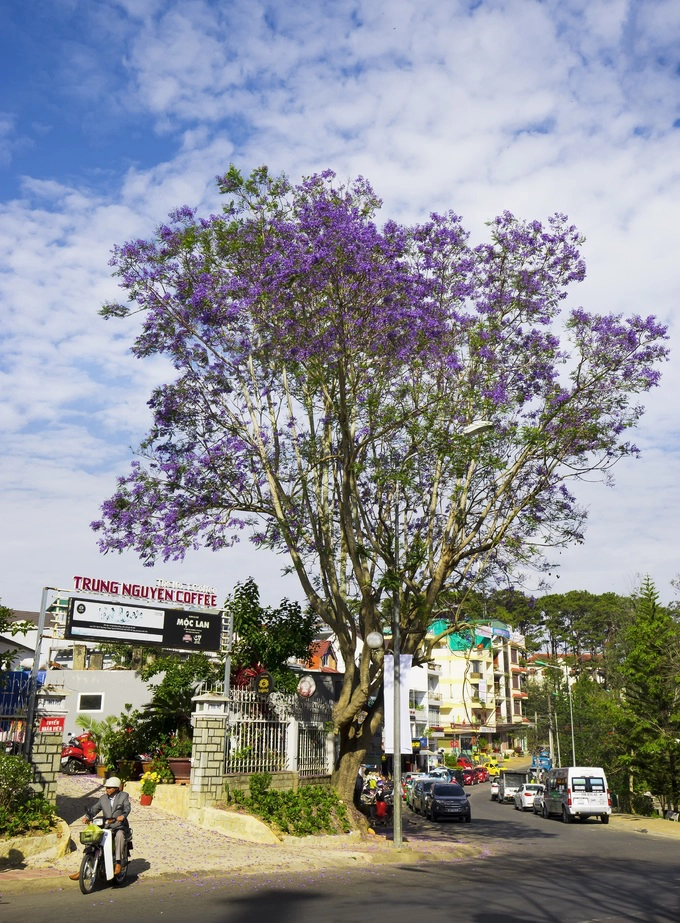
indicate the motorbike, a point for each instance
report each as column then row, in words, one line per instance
column 98, row 863
column 13, row 747
column 79, row 754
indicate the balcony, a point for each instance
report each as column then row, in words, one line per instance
column 434, row 696
column 434, row 668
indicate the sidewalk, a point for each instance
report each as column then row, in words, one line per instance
column 165, row 844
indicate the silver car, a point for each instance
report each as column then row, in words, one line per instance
column 420, row 793
column 538, row 803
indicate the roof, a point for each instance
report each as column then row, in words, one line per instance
column 318, row 651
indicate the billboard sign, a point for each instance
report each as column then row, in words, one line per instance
column 105, row 620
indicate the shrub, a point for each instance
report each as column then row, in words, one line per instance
column 21, row 809
column 312, row 810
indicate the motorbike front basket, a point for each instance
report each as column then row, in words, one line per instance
column 91, row 835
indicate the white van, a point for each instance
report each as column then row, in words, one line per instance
column 577, row 791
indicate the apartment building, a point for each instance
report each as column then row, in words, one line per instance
column 473, row 692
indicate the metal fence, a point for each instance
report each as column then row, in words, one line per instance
column 14, row 694
column 311, row 751
column 275, row 733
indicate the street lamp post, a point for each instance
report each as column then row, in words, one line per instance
column 552, row 666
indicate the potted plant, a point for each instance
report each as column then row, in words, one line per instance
column 122, row 745
column 148, row 788
column 176, row 751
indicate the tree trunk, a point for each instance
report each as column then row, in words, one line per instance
column 352, row 755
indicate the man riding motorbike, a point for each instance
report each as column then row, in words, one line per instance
column 115, row 806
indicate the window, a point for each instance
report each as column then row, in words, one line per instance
column 513, row 655
column 518, row 708
column 587, row 784
column 93, row 701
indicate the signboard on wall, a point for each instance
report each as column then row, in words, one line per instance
column 104, row 620
column 52, row 725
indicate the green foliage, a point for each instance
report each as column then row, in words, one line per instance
column 15, row 780
column 269, row 637
column 10, row 627
column 122, row 739
column 173, row 746
column 101, row 732
column 168, row 714
column 651, row 697
column 311, row 810
column 21, row 809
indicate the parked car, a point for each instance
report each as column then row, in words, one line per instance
column 410, row 782
column 538, row 802
column 469, row 777
column 419, row 794
column 481, row 773
column 465, row 762
column 441, row 773
column 494, row 789
column 524, row 799
column 447, row 799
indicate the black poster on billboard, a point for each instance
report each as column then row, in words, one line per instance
column 104, row 620
column 196, row 631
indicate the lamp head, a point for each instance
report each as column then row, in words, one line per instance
column 374, row 640
column 477, row 427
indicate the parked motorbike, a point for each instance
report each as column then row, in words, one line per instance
column 98, row 863
column 79, row 754
column 12, row 747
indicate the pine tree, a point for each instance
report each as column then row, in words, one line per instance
column 651, row 678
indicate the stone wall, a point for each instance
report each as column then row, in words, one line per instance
column 207, row 766
column 46, row 762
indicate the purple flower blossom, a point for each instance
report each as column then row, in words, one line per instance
column 326, row 368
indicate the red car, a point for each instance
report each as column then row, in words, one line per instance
column 464, row 762
column 469, row 777
column 481, row 773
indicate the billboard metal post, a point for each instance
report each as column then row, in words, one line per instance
column 33, row 684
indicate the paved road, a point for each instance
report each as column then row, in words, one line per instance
column 528, row 869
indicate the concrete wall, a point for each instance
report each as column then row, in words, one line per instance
column 281, row 781
column 117, row 687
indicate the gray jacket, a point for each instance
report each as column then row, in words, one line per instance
column 121, row 805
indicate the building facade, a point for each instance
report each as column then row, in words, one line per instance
column 471, row 696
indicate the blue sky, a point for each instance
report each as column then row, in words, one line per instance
column 112, row 113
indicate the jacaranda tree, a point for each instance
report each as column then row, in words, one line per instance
column 326, row 369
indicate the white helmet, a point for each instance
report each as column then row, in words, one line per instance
column 113, row 782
